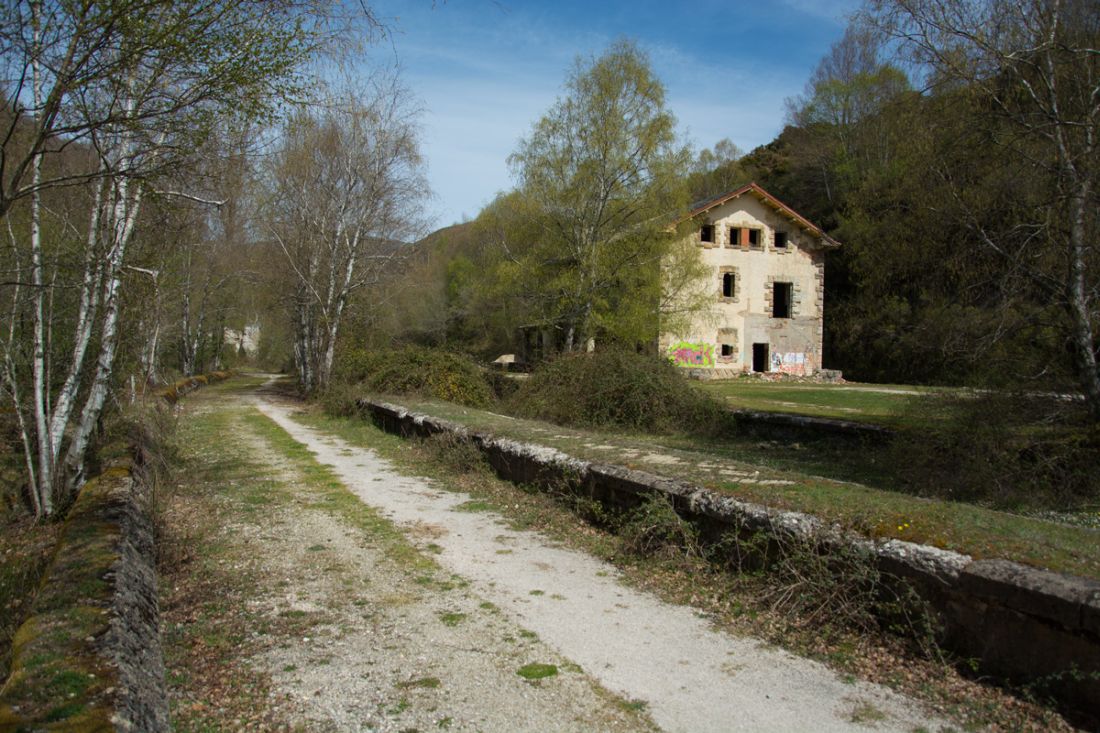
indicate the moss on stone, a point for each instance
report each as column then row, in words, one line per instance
column 58, row 681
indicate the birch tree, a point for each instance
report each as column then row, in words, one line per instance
column 106, row 96
column 347, row 189
column 604, row 178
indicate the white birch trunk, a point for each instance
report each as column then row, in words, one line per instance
column 43, row 441
column 124, row 216
column 82, row 333
column 338, row 309
column 13, row 389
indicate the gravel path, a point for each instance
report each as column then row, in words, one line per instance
column 690, row 677
column 342, row 625
column 394, row 652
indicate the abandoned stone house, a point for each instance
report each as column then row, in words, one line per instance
column 766, row 267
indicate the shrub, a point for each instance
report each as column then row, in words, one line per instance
column 1009, row 450
column 655, row 529
column 411, row 370
column 502, row 384
column 339, row 399
column 622, row 389
column 457, row 454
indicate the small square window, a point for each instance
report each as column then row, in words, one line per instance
column 735, row 236
column 754, row 238
column 727, row 344
column 780, row 240
column 706, row 233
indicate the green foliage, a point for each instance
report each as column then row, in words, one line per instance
column 1014, row 451
column 620, row 388
column 955, row 205
column 339, row 398
column 716, row 171
column 655, row 529
column 536, row 671
column 411, row 370
column 601, row 182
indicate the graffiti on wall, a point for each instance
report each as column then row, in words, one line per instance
column 692, row 356
column 790, row 363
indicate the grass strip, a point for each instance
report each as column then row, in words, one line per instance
column 888, row 405
column 209, row 579
column 330, row 494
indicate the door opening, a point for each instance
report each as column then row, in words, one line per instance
column 760, row 357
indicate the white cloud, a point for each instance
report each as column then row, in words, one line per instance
column 834, row 10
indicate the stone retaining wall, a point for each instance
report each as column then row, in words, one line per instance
column 1020, row 623
column 89, row 657
column 803, row 426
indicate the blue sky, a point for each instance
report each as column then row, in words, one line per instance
column 486, row 70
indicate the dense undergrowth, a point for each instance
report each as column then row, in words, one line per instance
column 609, row 388
column 1007, row 450
column 409, row 370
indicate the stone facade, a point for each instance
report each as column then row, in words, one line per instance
column 767, row 264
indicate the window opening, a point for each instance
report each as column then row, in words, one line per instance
column 781, row 300
column 780, row 240
column 754, row 238
column 727, row 285
column 706, row 233
column 727, row 344
column 735, row 236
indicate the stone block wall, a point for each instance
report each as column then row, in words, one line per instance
column 89, row 657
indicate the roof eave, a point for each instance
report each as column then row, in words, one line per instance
column 824, row 240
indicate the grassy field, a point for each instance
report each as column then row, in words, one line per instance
column 883, row 404
column 802, row 479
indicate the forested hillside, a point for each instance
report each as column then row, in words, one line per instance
column 953, row 158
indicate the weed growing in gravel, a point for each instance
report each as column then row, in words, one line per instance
column 537, row 671
column 452, row 619
column 424, row 683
